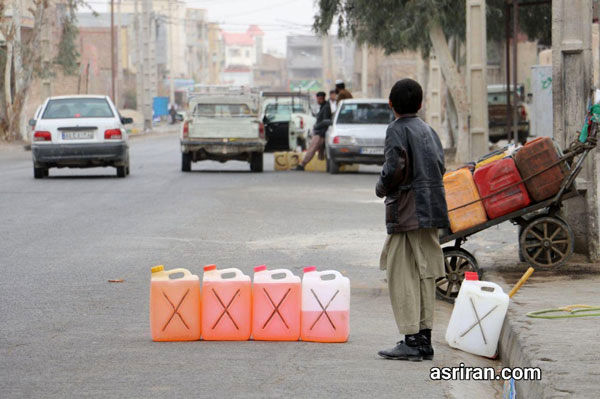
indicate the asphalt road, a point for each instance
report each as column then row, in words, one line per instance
column 65, row 331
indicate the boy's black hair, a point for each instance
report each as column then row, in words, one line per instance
column 321, row 94
column 332, row 91
column 406, row 96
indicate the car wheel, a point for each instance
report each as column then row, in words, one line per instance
column 256, row 162
column 39, row 173
column 186, row 162
column 121, row 171
column 333, row 167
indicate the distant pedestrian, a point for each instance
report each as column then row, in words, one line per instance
column 173, row 114
column 319, row 129
column 342, row 93
column 332, row 101
column 411, row 181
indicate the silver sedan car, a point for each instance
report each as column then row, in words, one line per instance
column 357, row 134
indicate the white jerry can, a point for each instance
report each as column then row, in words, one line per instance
column 325, row 315
column 477, row 317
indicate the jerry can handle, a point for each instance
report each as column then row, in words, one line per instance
column 288, row 273
column 488, row 287
column 235, row 271
column 337, row 274
column 186, row 272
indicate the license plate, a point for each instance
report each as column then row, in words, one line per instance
column 372, row 150
column 86, row 135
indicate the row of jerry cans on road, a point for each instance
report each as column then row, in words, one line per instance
column 288, row 160
column 277, row 306
column 500, row 173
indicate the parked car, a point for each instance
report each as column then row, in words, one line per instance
column 223, row 126
column 498, row 117
column 357, row 134
column 288, row 119
column 79, row 131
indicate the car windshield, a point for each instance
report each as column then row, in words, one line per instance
column 373, row 113
column 66, row 108
column 222, row 110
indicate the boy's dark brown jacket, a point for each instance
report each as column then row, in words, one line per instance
column 411, row 179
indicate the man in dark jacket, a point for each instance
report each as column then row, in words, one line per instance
column 319, row 129
column 411, row 181
column 341, row 92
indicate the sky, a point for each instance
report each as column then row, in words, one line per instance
column 277, row 18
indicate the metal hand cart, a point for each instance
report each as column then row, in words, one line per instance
column 545, row 239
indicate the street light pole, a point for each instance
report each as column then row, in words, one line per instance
column 112, row 47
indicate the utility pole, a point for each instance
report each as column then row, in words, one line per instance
column 476, row 78
column 112, row 49
column 171, row 55
column 149, row 66
column 515, row 117
column 365, row 71
column 139, row 66
column 119, row 60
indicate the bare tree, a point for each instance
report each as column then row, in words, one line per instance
column 22, row 61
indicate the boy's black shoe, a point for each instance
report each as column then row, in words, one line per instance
column 402, row 351
column 426, row 348
column 416, row 347
column 299, row 167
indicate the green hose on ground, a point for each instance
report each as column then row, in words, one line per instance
column 572, row 311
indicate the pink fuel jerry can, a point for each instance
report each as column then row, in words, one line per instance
column 226, row 305
column 174, row 305
column 325, row 315
column 276, row 296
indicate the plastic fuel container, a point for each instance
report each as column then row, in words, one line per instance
column 281, row 161
column 293, row 159
column 174, row 305
column 460, row 190
column 226, row 305
column 477, row 317
column 496, row 176
column 276, row 296
column 491, row 157
column 325, row 306
column 534, row 157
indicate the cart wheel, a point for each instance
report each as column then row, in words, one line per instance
column 547, row 241
column 457, row 261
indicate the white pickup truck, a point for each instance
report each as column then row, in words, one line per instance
column 223, row 126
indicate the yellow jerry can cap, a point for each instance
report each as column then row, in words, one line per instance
column 157, row 269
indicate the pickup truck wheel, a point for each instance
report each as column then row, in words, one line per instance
column 121, row 171
column 302, row 144
column 256, row 162
column 39, row 173
column 523, row 137
column 333, row 167
column 186, row 162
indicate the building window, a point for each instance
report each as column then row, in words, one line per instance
column 234, row 52
column 247, row 53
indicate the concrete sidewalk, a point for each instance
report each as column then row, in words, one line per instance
column 564, row 349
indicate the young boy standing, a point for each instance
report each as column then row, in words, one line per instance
column 415, row 207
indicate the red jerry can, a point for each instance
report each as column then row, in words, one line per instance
column 495, row 177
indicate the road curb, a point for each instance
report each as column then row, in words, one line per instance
column 511, row 350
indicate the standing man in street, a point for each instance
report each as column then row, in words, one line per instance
column 340, row 89
column 415, row 207
column 332, row 101
column 320, row 128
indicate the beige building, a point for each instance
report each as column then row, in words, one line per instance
column 170, row 16
column 270, row 74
